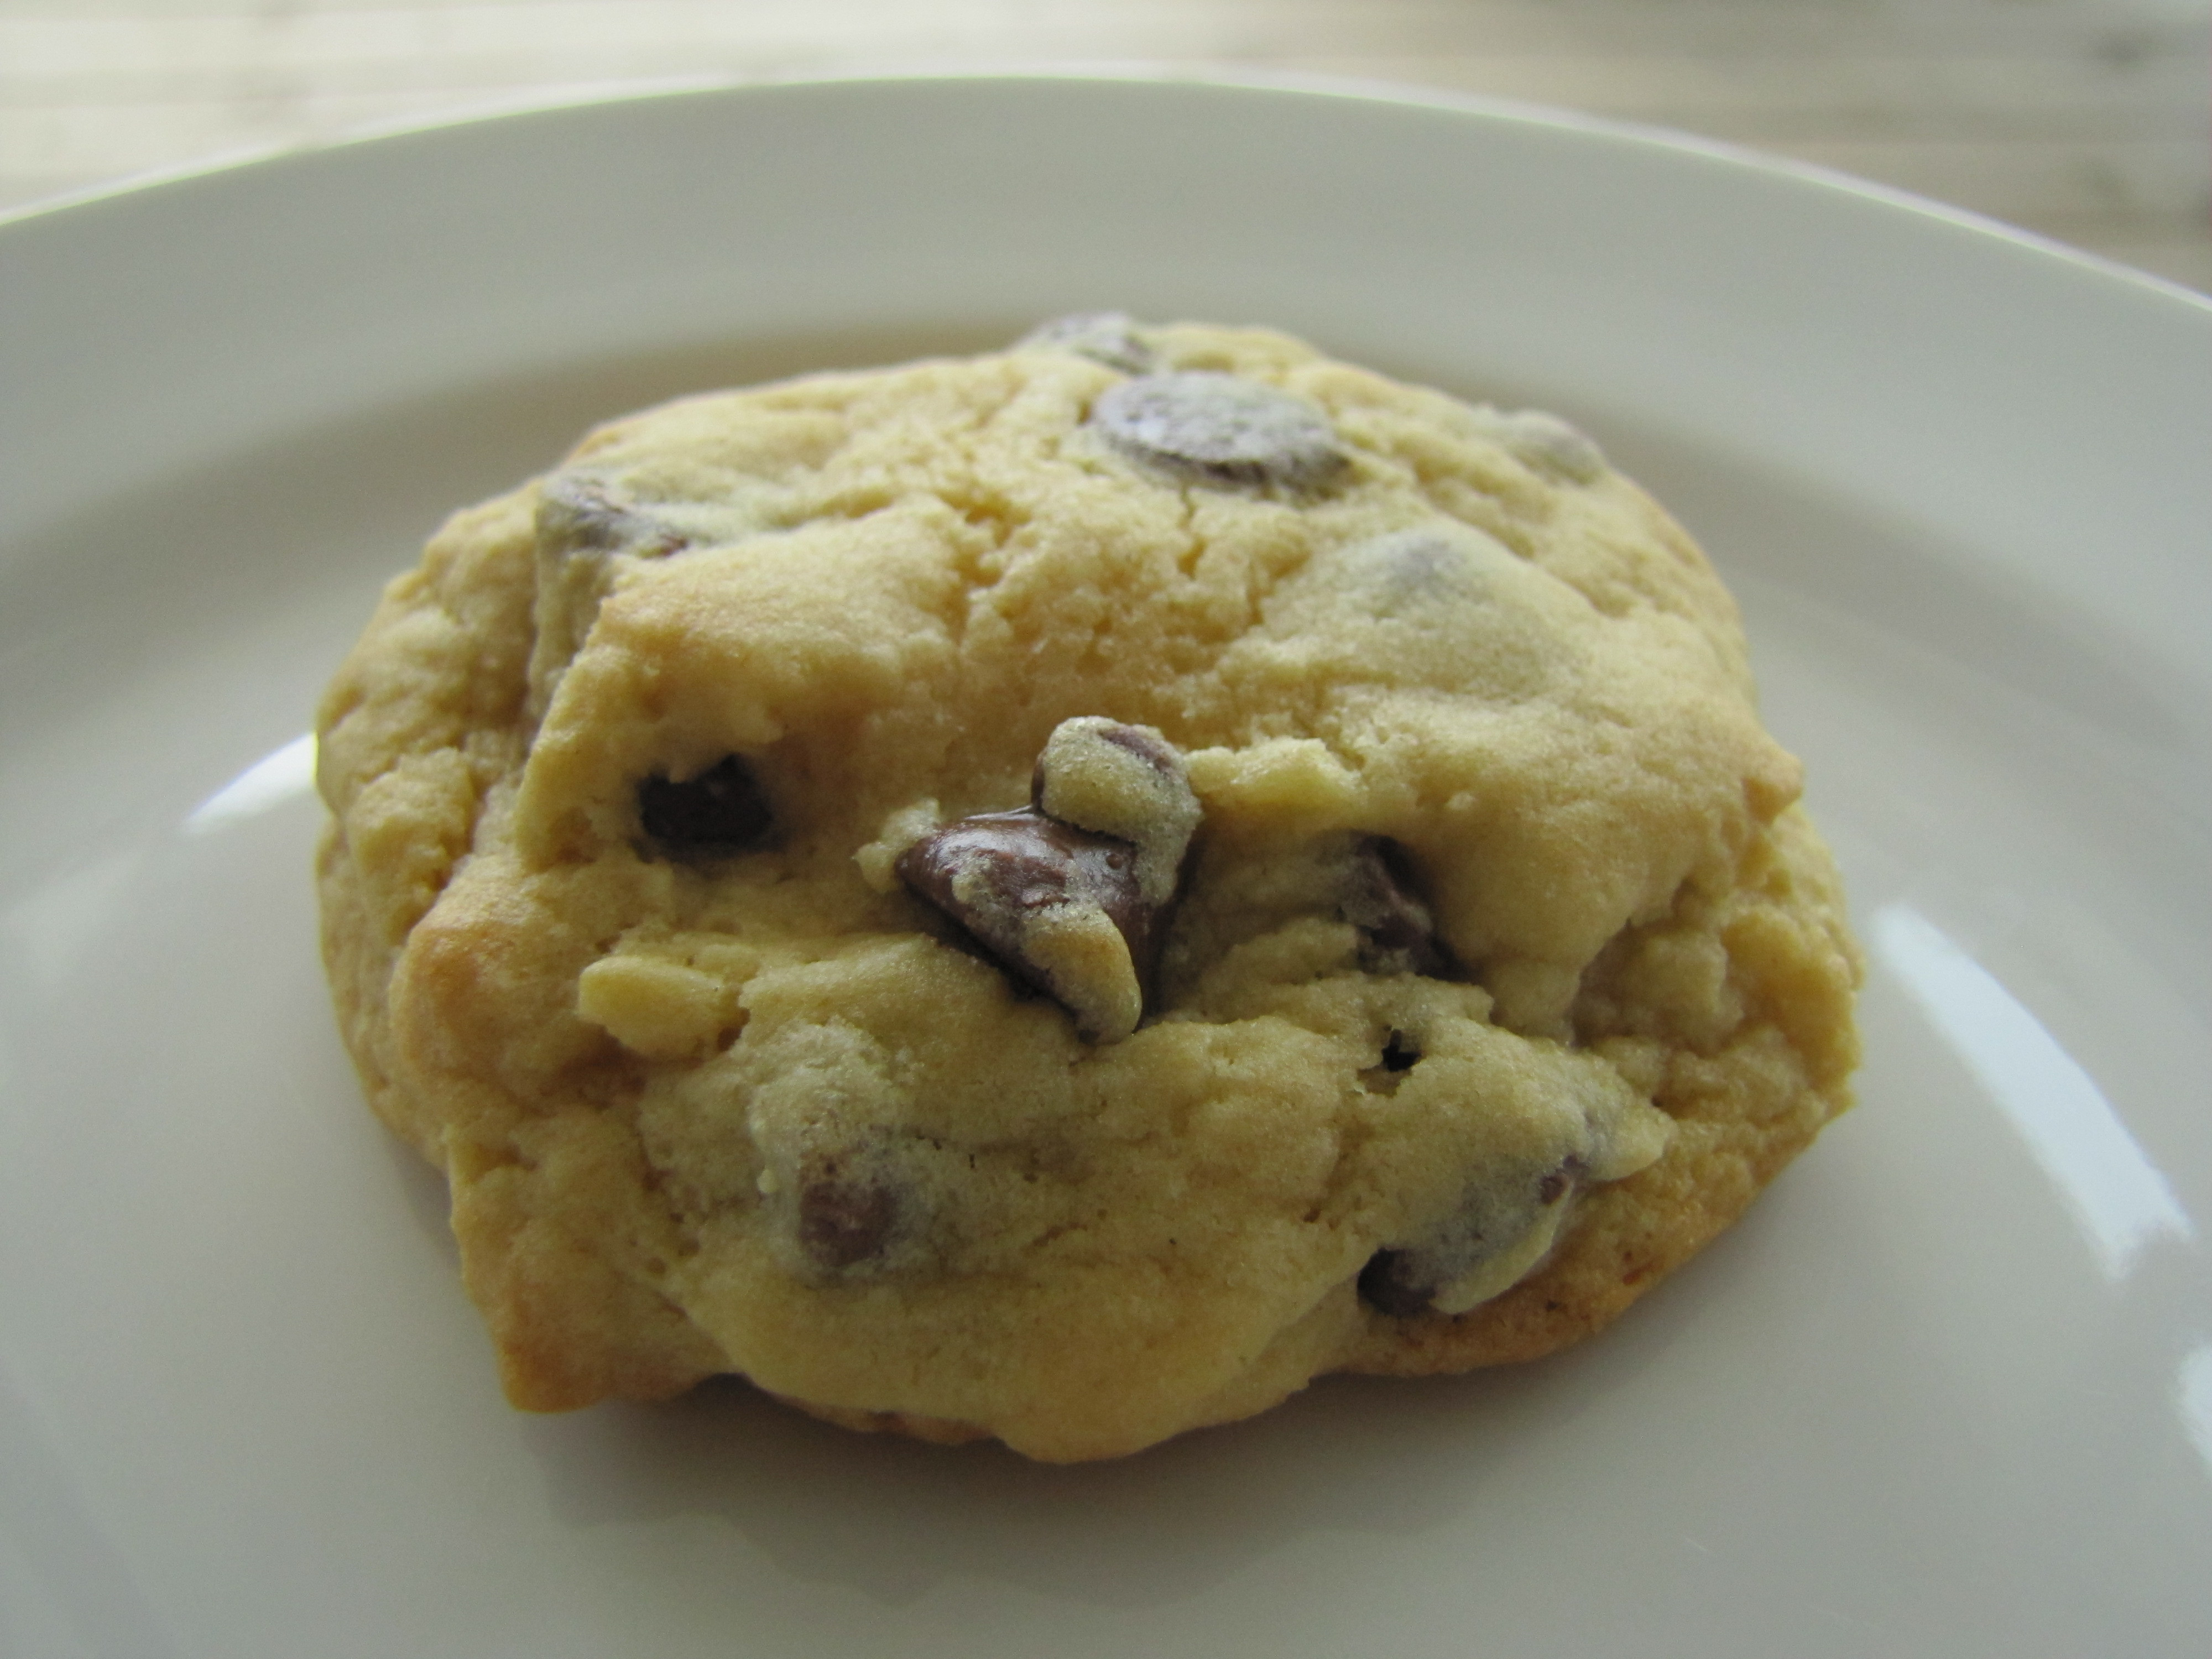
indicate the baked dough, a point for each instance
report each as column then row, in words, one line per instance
column 1060, row 895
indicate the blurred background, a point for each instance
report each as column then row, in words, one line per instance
column 2088, row 121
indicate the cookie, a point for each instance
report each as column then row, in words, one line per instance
column 1060, row 895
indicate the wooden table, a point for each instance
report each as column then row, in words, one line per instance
column 2086, row 120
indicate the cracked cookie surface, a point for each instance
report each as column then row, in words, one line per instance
column 1059, row 895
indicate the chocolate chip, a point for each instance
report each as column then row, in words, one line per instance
column 1404, row 1279
column 721, row 811
column 1555, row 1186
column 1146, row 744
column 1109, row 337
column 578, row 513
column 845, row 1218
column 1123, row 781
column 1383, row 899
column 990, row 871
column 1217, row 428
column 1550, row 444
column 1400, row 1053
column 1386, row 1284
column 1069, row 894
column 1405, row 573
column 582, row 522
column 1001, row 874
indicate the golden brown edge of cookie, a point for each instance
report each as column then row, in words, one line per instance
column 1612, row 1253
column 1600, row 1270
column 934, row 1431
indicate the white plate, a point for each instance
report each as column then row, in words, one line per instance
column 1949, row 1391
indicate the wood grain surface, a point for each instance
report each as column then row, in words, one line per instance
column 2090, row 121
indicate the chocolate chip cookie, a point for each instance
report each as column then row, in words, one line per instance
column 1059, row 895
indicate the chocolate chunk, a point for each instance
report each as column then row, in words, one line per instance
column 1383, row 900
column 998, row 874
column 1109, row 337
column 1217, row 428
column 1069, row 894
column 845, row 1218
column 722, row 811
column 988, row 870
